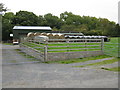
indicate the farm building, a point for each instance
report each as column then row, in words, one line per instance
column 20, row 31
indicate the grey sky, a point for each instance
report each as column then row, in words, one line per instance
column 98, row 8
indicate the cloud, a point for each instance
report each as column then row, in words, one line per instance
column 98, row 8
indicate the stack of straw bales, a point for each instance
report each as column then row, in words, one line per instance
column 58, row 36
column 50, row 35
column 31, row 35
column 44, row 34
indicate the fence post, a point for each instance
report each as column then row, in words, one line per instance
column 67, row 41
column 102, row 44
column 85, row 45
column 45, row 53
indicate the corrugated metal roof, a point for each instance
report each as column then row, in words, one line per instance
column 33, row 27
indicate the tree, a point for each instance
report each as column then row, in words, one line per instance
column 68, row 28
column 7, row 25
column 83, row 28
column 53, row 21
column 25, row 18
column 116, row 31
column 2, row 8
column 65, row 15
column 41, row 21
column 70, row 19
column 67, row 22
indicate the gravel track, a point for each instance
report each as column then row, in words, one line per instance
column 11, row 56
column 41, row 75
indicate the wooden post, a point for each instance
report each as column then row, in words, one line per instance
column 102, row 44
column 67, row 45
column 45, row 53
column 85, row 45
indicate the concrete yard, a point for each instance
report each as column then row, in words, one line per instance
column 41, row 75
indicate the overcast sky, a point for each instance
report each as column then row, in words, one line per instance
column 98, row 8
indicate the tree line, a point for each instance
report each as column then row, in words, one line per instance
column 66, row 22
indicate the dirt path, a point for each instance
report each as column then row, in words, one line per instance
column 40, row 75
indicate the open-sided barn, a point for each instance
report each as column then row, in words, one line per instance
column 21, row 31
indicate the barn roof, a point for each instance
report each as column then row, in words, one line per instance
column 32, row 27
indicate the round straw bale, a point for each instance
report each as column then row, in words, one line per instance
column 44, row 34
column 36, row 33
column 56, row 36
column 61, row 37
column 30, row 34
column 51, row 36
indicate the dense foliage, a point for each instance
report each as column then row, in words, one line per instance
column 66, row 22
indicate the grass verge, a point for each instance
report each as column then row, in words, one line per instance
column 79, row 59
column 101, row 63
column 7, row 43
column 116, row 69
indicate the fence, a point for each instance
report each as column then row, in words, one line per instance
column 112, row 48
column 33, row 50
column 62, row 49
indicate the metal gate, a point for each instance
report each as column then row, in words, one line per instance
column 112, row 48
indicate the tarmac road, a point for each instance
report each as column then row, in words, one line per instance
column 40, row 75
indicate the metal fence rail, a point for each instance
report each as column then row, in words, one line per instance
column 111, row 49
column 57, row 47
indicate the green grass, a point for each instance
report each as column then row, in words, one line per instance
column 101, row 63
column 65, row 44
column 34, row 45
column 7, row 43
column 59, row 46
column 116, row 69
column 111, row 48
column 79, row 59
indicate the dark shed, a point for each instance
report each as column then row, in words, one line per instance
column 20, row 31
